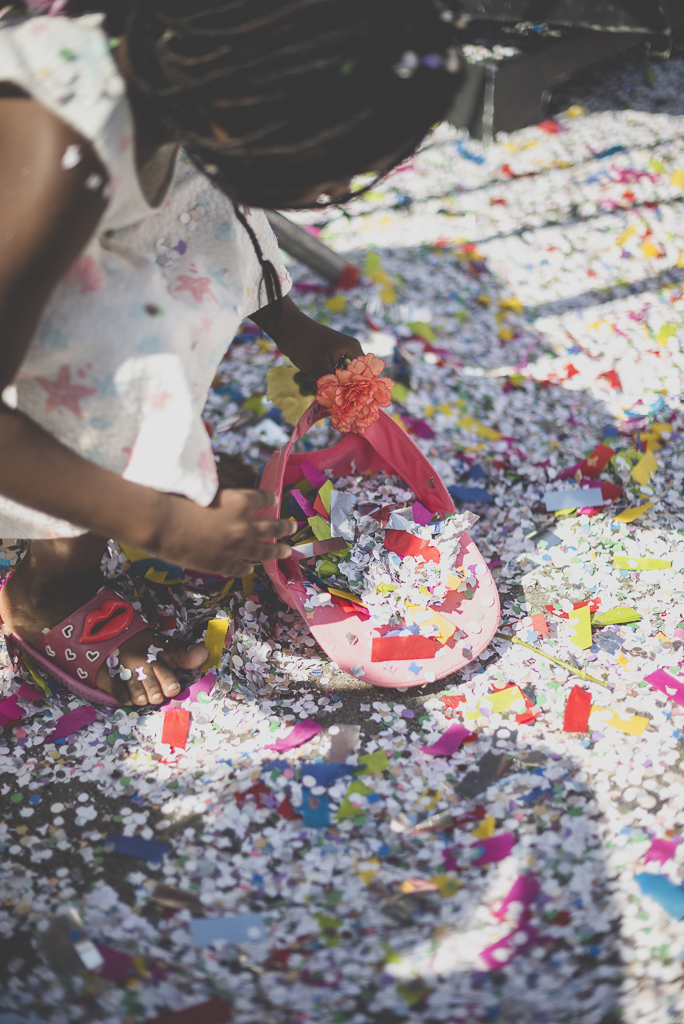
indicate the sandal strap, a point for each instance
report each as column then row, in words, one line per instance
column 81, row 644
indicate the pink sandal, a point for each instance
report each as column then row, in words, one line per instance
column 74, row 651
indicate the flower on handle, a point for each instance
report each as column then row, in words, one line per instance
column 352, row 395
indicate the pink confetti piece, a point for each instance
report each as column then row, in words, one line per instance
column 421, row 514
column 203, row 685
column 313, row 475
column 302, row 733
column 661, row 850
column 667, row 684
column 72, row 721
column 116, row 966
column 304, row 503
column 503, row 951
column 30, row 692
column 10, row 710
column 494, row 849
column 449, row 743
column 523, row 893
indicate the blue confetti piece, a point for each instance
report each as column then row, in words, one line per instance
column 467, row 155
column 315, row 810
column 326, row 773
column 476, row 495
column 237, row 928
column 133, row 846
column 477, row 473
column 669, row 896
column 578, row 497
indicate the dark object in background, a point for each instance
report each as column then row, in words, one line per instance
column 518, row 51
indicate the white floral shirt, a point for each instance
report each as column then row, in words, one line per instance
column 130, row 340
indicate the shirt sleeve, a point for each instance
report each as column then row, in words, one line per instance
column 255, row 295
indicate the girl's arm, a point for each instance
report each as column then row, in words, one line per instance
column 312, row 347
column 49, row 209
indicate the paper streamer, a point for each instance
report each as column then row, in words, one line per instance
column 214, row 1011
column 630, row 514
column 30, row 692
column 641, row 564
column 10, row 710
column 449, row 743
column 493, row 850
column 577, row 710
column 215, row 640
column 524, row 892
column 133, row 846
column 71, row 722
column 580, row 623
column 660, row 851
column 237, row 928
column 664, row 892
column 302, row 733
column 176, row 728
column 192, row 693
column 503, row 951
column 313, row 475
column 667, row 684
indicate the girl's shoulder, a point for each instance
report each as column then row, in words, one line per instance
column 66, row 65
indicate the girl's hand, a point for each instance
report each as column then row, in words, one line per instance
column 312, row 347
column 225, row 539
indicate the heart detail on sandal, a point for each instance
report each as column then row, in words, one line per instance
column 68, row 630
column 69, row 654
column 112, row 618
column 82, row 674
column 92, row 655
column 48, row 650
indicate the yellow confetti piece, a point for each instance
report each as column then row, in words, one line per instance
column 665, row 332
column 485, row 829
column 506, row 334
column 226, row 588
column 574, row 111
column 321, row 529
column 650, row 250
column 614, row 616
column 514, row 305
column 378, row 761
column 663, row 637
column 501, row 700
column 346, row 596
column 337, row 303
column 475, row 427
column 623, row 562
column 215, row 641
column 367, row 870
column 662, row 430
column 580, row 621
column 677, row 179
column 447, row 884
column 633, row 726
column 248, row 584
column 630, row 514
column 621, row 660
column 621, row 241
column 422, row 330
column 644, row 469
column 430, row 617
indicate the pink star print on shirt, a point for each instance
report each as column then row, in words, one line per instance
column 198, row 286
column 62, row 393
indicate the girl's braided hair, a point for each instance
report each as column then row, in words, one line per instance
column 272, row 98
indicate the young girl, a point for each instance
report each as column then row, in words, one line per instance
column 128, row 262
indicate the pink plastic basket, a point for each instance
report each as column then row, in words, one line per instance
column 344, row 636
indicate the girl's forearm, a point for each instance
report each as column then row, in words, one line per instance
column 41, row 472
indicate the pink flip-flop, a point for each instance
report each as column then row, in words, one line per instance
column 74, row 651
column 346, row 636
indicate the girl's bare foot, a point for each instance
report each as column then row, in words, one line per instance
column 54, row 579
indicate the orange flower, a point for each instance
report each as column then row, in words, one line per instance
column 353, row 394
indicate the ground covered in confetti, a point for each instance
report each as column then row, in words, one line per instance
column 527, row 296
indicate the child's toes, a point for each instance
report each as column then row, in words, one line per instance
column 144, row 681
column 179, row 655
column 166, row 678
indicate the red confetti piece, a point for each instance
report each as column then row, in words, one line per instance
column 403, row 648
column 214, row 1011
column 612, row 378
column 453, row 700
column 176, row 727
column 610, row 491
column 408, row 546
column 577, row 709
column 598, row 460
column 286, row 810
